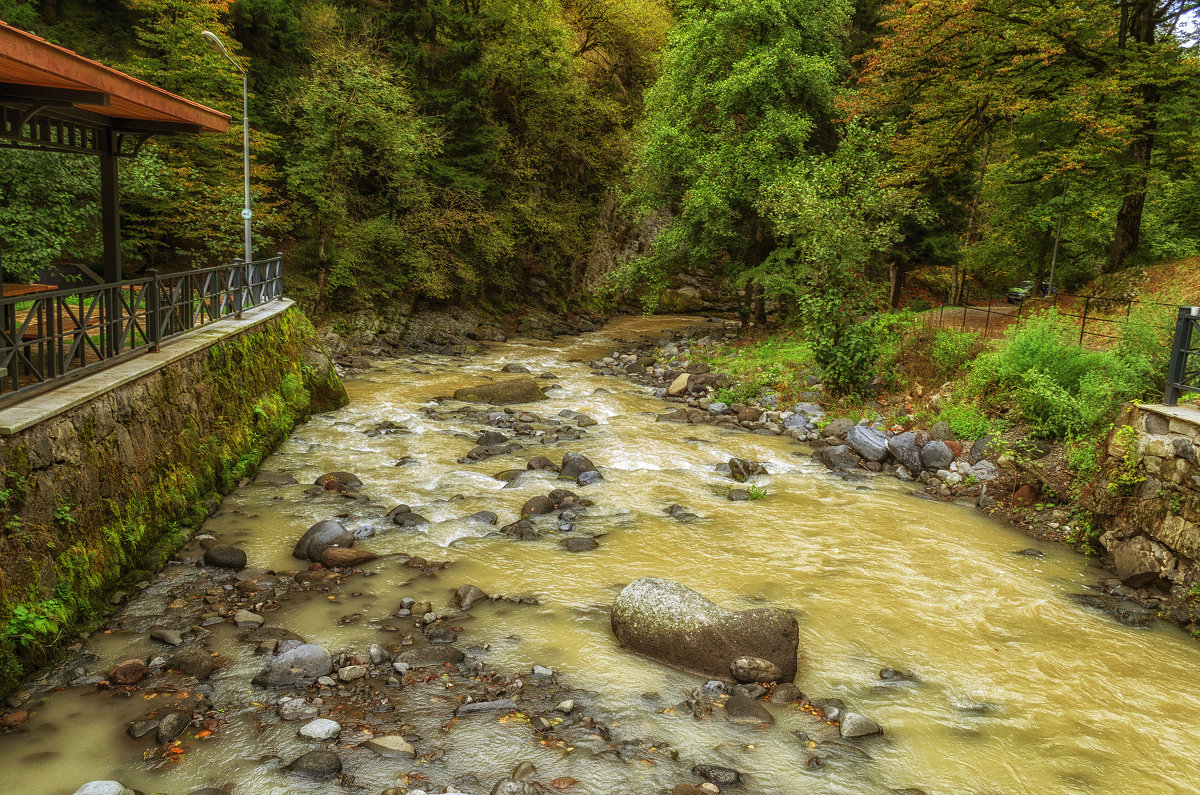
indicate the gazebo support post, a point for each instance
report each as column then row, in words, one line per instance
column 110, row 222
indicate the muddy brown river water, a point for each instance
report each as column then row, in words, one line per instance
column 1021, row 689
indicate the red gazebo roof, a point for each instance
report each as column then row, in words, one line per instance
column 28, row 62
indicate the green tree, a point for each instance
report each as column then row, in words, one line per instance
column 746, row 90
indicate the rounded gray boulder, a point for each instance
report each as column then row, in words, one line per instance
column 676, row 625
column 936, row 455
column 304, row 663
column 320, row 537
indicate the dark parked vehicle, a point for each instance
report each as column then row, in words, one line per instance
column 1024, row 290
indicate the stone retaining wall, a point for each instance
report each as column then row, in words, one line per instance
column 93, row 495
column 1146, row 504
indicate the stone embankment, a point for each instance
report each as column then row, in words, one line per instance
column 106, row 490
column 1146, row 504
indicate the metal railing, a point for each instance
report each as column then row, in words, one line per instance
column 1179, row 377
column 992, row 316
column 49, row 337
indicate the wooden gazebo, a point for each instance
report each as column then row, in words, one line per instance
column 56, row 100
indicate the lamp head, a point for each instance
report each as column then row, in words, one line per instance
column 214, row 42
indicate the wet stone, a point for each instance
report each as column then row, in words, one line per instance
column 225, row 557
column 481, row 707
column 171, row 726
column 721, row 776
column 578, row 544
column 321, row 729
column 745, row 711
column 316, row 764
column 391, row 746
column 855, row 725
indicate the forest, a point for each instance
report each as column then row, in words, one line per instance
column 818, row 154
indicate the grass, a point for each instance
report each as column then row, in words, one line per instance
column 778, row 363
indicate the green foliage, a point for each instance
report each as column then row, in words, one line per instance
column 1125, row 478
column 952, row 350
column 746, row 89
column 966, row 421
column 756, row 492
column 780, row 363
column 1057, row 387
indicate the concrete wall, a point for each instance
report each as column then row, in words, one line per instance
column 106, row 477
column 1147, row 507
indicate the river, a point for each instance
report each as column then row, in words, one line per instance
column 1021, row 689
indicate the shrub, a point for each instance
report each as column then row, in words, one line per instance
column 952, row 350
column 966, row 421
column 1060, row 389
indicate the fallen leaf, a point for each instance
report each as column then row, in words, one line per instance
column 563, row 784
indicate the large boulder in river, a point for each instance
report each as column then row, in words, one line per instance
column 502, row 393
column 674, row 624
column 300, row 665
column 937, row 455
column 575, row 464
column 320, row 537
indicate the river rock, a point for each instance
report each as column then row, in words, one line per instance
column 578, row 544
column 487, row 517
column 104, row 788
column 425, row 656
column 297, row 709
column 838, row 428
column 316, row 764
column 941, row 432
column 128, row 673
column 338, row 481
column 192, row 662
column 746, row 711
column 838, row 457
column 391, row 746
column 904, row 449
column 349, row 673
column 574, row 465
column 171, row 637
column 785, row 693
column 982, row 448
column 521, row 530
column 295, row 666
column 244, row 618
column 342, row 558
column 740, row 469
column 171, row 726
column 537, row 506
column 984, row 470
column 721, row 776
column 679, row 385
column 589, row 477
column 225, row 557
column 321, row 729
column 502, row 393
column 479, row 707
column 466, row 596
column 541, row 462
column 671, row 623
column 1140, row 561
column 936, row 455
column 855, row 725
column 867, row 442
column 140, row 728
column 755, row 669
column 209, row 791
column 321, row 536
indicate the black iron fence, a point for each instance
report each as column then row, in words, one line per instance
column 1184, row 372
column 1099, row 318
column 46, row 337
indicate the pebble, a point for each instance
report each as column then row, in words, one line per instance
column 104, row 788
column 352, row 672
column 171, row 637
column 297, row 709
column 321, row 729
column 392, row 746
column 855, row 725
column 244, row 618
column 565, row 707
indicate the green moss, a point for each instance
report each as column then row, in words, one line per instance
column 257, row 389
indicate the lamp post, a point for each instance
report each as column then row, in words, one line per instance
column 216, row 44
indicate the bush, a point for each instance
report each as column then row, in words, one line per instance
column 952, row 350
column 966, row 421
column 1061, row 389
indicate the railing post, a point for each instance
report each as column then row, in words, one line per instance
column 1179, row 355
column 1083, row 323
column 153, row 310
column 239, row 271
column 278, row 282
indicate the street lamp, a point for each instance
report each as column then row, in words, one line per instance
column 216, row 44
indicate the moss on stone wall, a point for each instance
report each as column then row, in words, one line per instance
column 116, row 485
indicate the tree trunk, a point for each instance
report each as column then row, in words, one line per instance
column 760, row 306
column 1137, row 28
column 897, row 275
